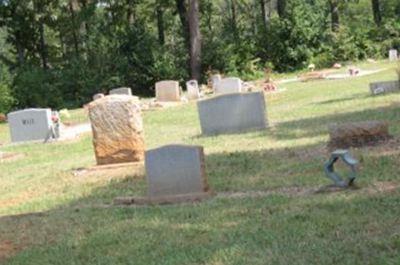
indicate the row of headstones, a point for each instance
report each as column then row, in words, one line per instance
column 173, row 170
column 169, row 90
column 38, row 124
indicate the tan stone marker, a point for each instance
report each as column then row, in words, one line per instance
column 175, row 174
column 117, row 129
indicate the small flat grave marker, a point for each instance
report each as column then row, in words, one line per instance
column 379, row 88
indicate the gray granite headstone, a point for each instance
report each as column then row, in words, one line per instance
column 232, row 113
column 30, row 125
column 384, row 87
column 121, row 91
column 175, row 170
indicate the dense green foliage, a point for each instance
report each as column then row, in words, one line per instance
column 61, row 52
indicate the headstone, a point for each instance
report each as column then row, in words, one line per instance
column 193, row 89
column 232, row 113
column 174, row 170
column 229, row 85
column 358, row 134
column 98, row 96
column 117, row 129
column 121, row 91
column 393, row 55
column 168, row 91
column 30, row 125
column 215, row 79
column 384, row 87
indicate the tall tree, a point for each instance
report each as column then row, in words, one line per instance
column 376, row 10
column 160, row 22
column 281, row 8
column 335, row 23
column 195, row 40
column 264, row 15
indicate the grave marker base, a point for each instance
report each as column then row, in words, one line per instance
column 173, row 199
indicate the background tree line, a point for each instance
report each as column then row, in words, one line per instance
column 58, row 53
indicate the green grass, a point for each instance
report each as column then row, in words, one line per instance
column 49, row 216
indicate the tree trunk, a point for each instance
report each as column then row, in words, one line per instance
column 376, row 10
column 264, row 15
column 20, row 49
column 130, row 14
column 74, row 26
column 195, row 40
column 43, row 46
column 160, row 23
column 335, row 23
column 281, row 7
column 234, row 19
column 180, row 5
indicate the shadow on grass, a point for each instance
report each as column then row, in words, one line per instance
column 340, row 100
column 317, row 126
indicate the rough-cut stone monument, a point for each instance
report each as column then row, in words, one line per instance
column 168, row 91
column 393, row 55
column 229, row 85
column 30, row 125
column 117, row 129
column 193, row 90
column 379, row 88
column 176, row 170
column 121, row 91
column 358, row 134
column 232, row 113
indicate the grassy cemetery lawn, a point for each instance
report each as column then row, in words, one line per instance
column 266, row 210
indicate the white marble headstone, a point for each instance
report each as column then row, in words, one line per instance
column 229, row 85
column 193, row 89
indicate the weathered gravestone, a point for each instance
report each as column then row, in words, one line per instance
column 358, row 134
column 393, row 55
column 193, row 89
column 384, row 87
column 98, row 96
column 168, row 91
column 117, row 129
column 176, row 170
column 30, row 125
column 121, row 91
column 215, row 79
column 229, row 85
column 232, row 113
